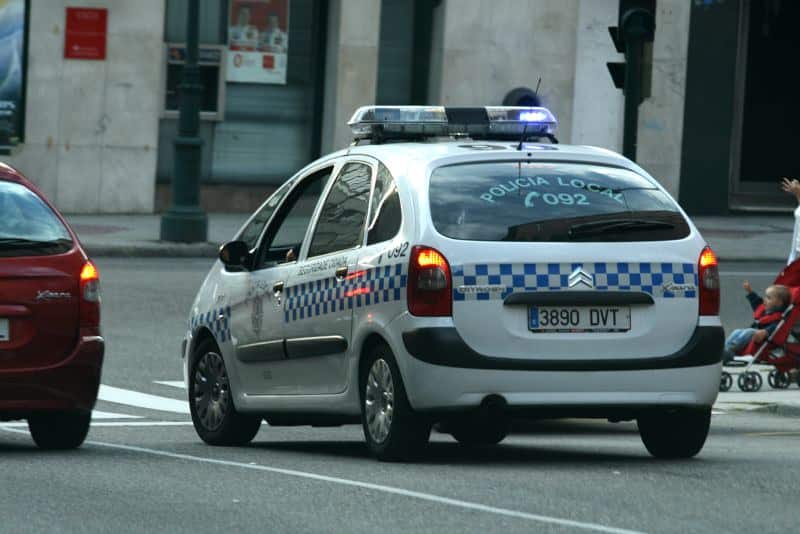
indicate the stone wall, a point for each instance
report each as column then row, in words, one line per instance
column 92, row 126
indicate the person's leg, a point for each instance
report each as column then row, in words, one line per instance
column 737, row 340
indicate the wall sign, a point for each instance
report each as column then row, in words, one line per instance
column 12, row 75
column 85, row 35
column 258, row 41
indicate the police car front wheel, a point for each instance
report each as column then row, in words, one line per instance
column 214, row 416
column 675, row 434
column 391, row 428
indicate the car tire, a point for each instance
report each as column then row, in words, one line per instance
column 214, row 415
column 60, row 431
column 675, row 434
column 473, row 433
column 391, row 428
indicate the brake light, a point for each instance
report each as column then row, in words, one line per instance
column 90, row 295
column 429, row 283
column 708, row 283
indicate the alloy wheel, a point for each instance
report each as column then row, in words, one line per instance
column 211, row 391
column 379, row 400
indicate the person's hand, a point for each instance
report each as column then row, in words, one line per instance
column 747, row 287
column 791, row 186
column 760, row 336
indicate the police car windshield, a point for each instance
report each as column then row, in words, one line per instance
column 523, row 201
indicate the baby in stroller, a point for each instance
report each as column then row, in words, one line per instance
column 767, row 313
column 770, row 340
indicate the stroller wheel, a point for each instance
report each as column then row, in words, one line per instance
column 725, row 381
column 757, row 380
column 778, row 379
column 749, row 381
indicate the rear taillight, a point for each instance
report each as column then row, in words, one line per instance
column 708, row 283
column 90, row 295
column 429, row 284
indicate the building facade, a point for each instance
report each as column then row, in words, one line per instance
column 97, row 134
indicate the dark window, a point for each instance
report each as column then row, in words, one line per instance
column 283, row 237
column 341, row 221
column 252, row 231
column 28, row 227
column 520, row 201
column 386, row 214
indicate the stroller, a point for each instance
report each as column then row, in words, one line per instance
column 780, row 350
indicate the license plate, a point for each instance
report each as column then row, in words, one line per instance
column 579, row 318
column 5, row 335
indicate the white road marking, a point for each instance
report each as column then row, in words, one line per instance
column 172, row 383
column 97, row 414
column 23, row 424
column 142, row 400
column 142, row 423
column 366, row 485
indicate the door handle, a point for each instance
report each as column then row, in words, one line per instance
column 341, row 273
column 277, row 287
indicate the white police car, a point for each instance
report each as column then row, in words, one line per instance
column 444, row 270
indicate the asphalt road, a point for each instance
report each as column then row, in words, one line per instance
column 143, row 469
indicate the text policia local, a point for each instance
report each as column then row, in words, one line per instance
column 502, row 189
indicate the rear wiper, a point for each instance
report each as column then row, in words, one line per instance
column 611, row 226
column 19, row 242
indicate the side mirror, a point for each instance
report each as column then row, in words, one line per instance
column 234, row 254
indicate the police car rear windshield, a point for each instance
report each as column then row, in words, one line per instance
column 28, row 227
column 523, row 201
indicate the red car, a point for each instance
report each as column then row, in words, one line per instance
column 51, row 350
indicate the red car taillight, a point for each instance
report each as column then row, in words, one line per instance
column 90, row 295
column 429, row 284
column 708, row 285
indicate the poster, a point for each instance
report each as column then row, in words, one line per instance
column 258, row 41
column 12, row 41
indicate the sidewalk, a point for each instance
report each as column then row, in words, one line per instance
column 740, row 237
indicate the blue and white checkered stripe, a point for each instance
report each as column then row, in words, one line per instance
column 321, row 297
column 518, row 277
column 217, row 320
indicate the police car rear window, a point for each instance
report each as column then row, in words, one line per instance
column 522, row 201
column 28, row 227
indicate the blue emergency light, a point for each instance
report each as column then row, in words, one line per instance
column 395, row 123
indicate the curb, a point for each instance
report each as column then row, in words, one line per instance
column 785, row 410
column 772, row 408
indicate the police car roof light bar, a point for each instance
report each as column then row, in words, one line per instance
column 379, row 124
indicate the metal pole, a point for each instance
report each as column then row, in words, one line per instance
column 633, row 94
column 185, row 221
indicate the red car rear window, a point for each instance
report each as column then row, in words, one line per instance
column 28, row 227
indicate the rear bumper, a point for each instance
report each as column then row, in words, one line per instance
column 444, row 346
column 441, row 373
column 72, row 384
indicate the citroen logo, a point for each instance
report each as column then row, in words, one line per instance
column 579, row 276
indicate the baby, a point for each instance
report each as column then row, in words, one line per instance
column 765, row 318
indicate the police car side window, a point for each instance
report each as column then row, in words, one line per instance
column 284, row 235
column 341, row 221
column 255, row 227
column 385, row 212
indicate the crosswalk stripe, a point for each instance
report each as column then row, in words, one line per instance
column 171, row 383
column 142, row 400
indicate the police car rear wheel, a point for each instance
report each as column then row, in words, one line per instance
column 211, row 402
column 391, row 428
column 675, row 434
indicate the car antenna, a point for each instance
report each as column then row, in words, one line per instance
column 525, row 128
